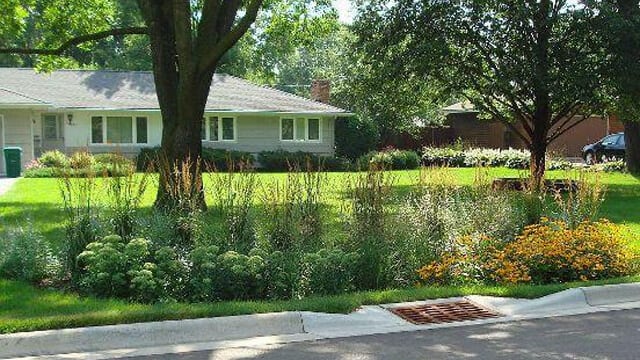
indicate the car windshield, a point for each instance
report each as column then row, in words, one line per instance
column 610, row 140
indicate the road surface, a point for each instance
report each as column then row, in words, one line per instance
column 610, row 335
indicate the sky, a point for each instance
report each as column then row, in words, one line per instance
column 345, row 10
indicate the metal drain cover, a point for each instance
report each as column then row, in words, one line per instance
column 447, row 312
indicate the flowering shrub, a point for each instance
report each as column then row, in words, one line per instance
column 443, row 157
column 81, row 160
column 483, row 157
column 544, row 253
column 610, row 166
column 34, row 164
column 113, row 266
column 80, row 164
column 559, row 164
column 511, row 158
column 54, row 159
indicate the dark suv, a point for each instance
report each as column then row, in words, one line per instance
column 611, row 146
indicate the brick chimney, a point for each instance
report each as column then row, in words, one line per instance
column 321, row 91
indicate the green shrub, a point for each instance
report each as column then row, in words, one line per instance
column 390, row 159
column 113, row 267
column 80, row 164
column 112, row 159
column 281, row 160
column 148, row 158
column 25, row 255
column 355, row 137
column 203, row 272
column 105, row 265
column 47, row 172
column 54, row 158
column 220, row 159
column 81, row 160
column 226, row 276
column 329, row 272
column 282, row 275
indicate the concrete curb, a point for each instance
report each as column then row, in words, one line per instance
column 153, row 334
column 112, row 341
column 612, row 294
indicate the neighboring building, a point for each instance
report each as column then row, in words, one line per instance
column 463, row 123
column 105, row 111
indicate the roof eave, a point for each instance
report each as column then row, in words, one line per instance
column 35, row 106
column 228, row 111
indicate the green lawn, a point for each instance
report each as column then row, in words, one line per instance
column 39, row 199
column 24, row 308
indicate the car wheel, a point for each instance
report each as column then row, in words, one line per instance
column 590, row 158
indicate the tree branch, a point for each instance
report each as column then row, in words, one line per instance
column 559, row 132
column 77, row 41
column 231, row 38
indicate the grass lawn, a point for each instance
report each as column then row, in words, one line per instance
column 24, row 308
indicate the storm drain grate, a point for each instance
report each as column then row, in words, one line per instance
column 443, row 313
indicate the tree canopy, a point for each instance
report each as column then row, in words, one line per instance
column 530, row 64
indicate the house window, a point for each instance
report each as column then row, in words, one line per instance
column 213, row 128
column 141, row 130
column 119, row 130
column 300, row 129
column 227, row 129
column 96, row 130
column 51, row 127
column 220, row 129
column 286, row 129
column 313, row 129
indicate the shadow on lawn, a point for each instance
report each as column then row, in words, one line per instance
column 46, row 217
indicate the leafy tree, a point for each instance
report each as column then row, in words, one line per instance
column 188, row 40
column 619, row 25
column 529, row 64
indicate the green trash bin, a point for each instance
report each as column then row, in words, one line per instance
column 13, row 161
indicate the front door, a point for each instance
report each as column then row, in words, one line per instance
column 52, row 133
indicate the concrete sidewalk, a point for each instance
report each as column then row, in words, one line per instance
column 6, row 184
column 262, row 329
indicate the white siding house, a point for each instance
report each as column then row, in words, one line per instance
column 104, row 111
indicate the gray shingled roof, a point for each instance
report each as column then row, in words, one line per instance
column 8, row 97
column 136, row 90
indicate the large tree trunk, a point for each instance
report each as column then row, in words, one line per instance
column 632, row 144
column 537, row 166
column 182, row 94
column 180, row 170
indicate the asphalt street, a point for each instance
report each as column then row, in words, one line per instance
column 609, row 335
